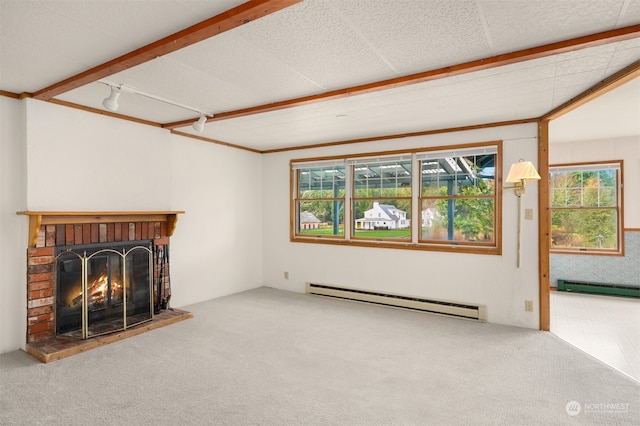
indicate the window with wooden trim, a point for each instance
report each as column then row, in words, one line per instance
column 458, row 196
column 319, row 199
column 381, row 198
column 445, row 199
column 586, row 214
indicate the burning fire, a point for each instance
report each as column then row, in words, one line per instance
column 98, row 291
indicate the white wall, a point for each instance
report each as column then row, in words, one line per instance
column 486, row 279
column 216, row 249
column 80, row 161
column 13, row 228
column 73, row 160
column 627, row 149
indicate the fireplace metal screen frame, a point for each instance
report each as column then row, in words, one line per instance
column 84, row 259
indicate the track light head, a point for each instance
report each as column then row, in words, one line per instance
column 198, row 126
column 111, row 102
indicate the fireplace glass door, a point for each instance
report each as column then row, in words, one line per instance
column 101, row 290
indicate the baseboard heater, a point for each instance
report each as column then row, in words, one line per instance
column 598, row 288
column 441, row 307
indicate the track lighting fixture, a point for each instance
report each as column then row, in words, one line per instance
column 111, row 102
column 198, row 126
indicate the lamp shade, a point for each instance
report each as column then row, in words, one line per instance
column 522, row 170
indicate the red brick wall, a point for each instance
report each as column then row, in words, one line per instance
column 41, row 263
column 88, row 233
column 40, row 293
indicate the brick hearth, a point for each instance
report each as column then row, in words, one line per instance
column 58, row 347
column 48, row 230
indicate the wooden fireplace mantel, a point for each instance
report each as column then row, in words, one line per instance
column 38, row 218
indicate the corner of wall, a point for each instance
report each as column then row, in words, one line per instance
column 13, row 228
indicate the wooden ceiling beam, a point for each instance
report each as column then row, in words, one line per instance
column 546, row 50
column 232, row 18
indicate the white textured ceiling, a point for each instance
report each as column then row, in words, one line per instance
column 319, row 46
column 613, row 115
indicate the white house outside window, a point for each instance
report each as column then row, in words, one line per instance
column 381, row 200
column 445, row 199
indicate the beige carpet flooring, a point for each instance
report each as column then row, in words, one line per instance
column 270, row 357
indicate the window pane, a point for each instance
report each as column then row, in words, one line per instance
column 435, row 179
column 458, row 219
column 584, row 228
column 574, row 197
column 385, row 212
column 591, row 197
column 608, row 177
column 471, row 175
column 386, row 218
column 591, row 188
column 558, row 197
column 607, row 197
column 382, row 179
column 321, row 217
column 558, row 180
column 434, row 220
column 321, row 182
column 465, row 191
column 586, row 218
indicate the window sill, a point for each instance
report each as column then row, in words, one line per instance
column 588, row 252
column 402, row 245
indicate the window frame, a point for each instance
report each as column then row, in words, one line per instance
column 375, row 165
column 618, row 166
column 449, row 155
column 415, row 242
column 297, row 170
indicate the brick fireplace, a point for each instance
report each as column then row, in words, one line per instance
column 54, row 233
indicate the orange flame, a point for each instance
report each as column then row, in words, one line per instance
column 97, row 291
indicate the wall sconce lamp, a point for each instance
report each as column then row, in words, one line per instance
column 519, row 174
column 111, row 102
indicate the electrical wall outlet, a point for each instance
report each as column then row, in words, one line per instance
column 528, row 305
column 286, row 275
column 528, row 214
